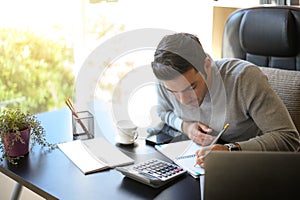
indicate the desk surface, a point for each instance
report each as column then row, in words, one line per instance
column 53, row 176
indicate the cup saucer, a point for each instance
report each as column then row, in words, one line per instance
column 122, row 140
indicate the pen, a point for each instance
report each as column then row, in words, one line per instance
column 217, row 138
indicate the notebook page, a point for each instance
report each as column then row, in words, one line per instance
column 173, row 150
column 104, row 151
column 188, row 163
column 77, row 153
column 183, row 154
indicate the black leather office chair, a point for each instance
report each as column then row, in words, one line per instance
column 265, row 36
column 270, row 38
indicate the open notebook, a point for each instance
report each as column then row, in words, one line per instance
column 94, row 155
column 183, row 154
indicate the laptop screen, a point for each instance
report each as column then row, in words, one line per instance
column 252, row 175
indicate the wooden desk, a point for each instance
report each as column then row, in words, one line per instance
column 53, row 176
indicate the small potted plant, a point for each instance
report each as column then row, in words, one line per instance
column 17, row 131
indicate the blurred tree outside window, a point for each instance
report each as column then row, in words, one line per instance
column 39, row 55
column 35, row 72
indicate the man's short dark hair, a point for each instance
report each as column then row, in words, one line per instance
column 168, row 65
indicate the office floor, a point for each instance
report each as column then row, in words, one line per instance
column 7, row 186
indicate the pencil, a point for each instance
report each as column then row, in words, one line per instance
column 217, row 138
column 71, row 107
column 219, row 135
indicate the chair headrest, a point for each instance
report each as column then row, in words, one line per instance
column 275, row 34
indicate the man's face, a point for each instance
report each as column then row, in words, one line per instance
column 189, row 88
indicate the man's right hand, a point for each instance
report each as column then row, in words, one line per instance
column 201, row 154
column 198, row 132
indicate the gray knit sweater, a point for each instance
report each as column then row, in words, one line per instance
column 241, row 96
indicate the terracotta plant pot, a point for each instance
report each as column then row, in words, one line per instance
column 19, row 148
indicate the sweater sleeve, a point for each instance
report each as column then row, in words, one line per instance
column 268, row 112
column 165, row 109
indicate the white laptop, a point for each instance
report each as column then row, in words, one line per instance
column 252, row 175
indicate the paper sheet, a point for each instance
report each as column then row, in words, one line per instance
column 183, row 154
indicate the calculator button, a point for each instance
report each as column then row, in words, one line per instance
column 160, row 169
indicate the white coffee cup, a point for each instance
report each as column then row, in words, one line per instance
column 127, row 132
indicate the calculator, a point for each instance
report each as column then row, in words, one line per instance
column 153, row 172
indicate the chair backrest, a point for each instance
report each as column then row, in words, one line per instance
column 286, row 84
column 265, row 36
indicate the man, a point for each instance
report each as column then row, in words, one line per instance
column 199, row 96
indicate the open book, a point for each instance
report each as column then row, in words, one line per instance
column 94, row 155
column 183, row 154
